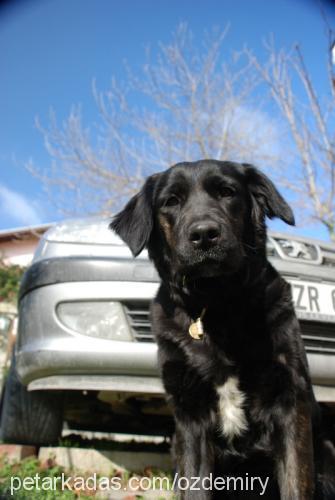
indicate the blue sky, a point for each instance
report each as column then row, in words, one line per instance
column 50, row 50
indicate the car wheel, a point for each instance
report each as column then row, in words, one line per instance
column 29, row 417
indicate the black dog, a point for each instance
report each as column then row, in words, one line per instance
column 230, row 352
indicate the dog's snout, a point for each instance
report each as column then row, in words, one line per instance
column 204, row 234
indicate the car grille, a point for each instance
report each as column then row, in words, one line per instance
column 318, row 337
column 328, row 255
column 138, row 317
column 323, row 252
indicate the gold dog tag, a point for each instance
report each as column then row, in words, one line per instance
column 196, row 329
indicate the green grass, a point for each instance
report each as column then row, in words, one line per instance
column 29, row 467
column 11, row 474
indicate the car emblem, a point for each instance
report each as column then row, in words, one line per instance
column 295, row 250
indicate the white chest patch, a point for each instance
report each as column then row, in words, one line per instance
column 233, row 421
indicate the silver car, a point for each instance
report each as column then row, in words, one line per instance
column 85, row 353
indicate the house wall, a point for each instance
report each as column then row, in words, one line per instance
column 18, row 252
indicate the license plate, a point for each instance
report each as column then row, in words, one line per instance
column 314, row 301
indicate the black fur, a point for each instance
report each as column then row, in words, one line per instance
column 204, row 226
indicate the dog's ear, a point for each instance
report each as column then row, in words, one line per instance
column 266, row 199
column 135, row 222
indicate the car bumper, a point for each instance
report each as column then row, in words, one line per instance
column 50, row 355
column 123, row 361
column 45, row 347
column 92, row 358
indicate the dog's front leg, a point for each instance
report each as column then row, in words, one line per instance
column 295, row 461
column 195, row 461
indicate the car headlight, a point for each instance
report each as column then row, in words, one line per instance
column 103, row 319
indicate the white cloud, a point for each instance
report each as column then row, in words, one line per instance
column 18, row 208
column 257, row 136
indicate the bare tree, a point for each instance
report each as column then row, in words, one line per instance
column 192, row 105
column 311, row 123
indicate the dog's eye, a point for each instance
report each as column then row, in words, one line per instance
column 226, row 192
column 171, row 201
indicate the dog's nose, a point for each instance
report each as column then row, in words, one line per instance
column 204, row 234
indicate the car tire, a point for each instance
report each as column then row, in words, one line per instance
column 29, row 417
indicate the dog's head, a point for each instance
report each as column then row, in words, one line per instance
column 202, row 219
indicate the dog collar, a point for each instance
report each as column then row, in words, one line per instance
column 196, row 328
